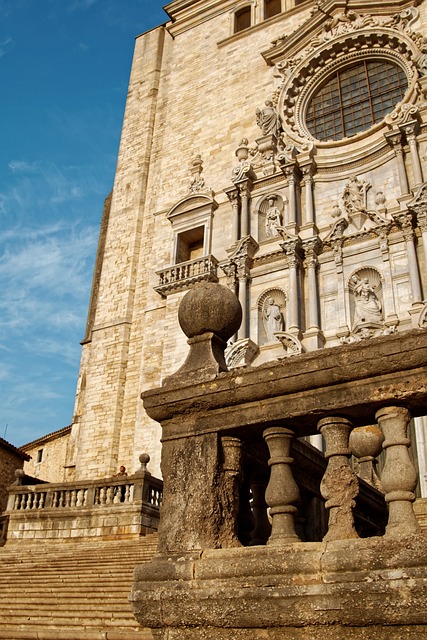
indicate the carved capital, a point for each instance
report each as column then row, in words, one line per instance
column 293, row 251
column 394, row 139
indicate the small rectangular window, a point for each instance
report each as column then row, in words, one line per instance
column 39, row 455
column 272, row 8
column 242, row 19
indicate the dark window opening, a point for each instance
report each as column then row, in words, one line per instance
column 242, row 19
column 272, row 8
column 190, row 245
column 355, row 98
column 39, row 455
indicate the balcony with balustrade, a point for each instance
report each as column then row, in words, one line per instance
column 181, row 276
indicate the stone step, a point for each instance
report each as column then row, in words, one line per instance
column 21, row 633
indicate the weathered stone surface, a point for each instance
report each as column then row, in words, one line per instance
column 368, row 583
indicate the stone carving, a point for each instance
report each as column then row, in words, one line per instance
column 290, row 343
column 368, row 308
column 268, row 119
column 243, row 170
column 241, row 353
column 273, row 319
column 197, row 183
column 404, row 112
column 354, row 195
column 273, row 218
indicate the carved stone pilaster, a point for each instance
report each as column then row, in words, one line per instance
column 394, row 139
column 312, row 248
column 237, row 269
column 244, row 187
column 292, row 174
column 230, row 271
column 294, row 252
column 233, row 196
column 411, row 129
column 405, row 221
column 308, row 170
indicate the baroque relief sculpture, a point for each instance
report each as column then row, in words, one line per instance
column 367, row 305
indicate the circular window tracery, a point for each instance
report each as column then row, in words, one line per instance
column 354, row 98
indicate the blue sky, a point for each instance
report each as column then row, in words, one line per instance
column 64, row 69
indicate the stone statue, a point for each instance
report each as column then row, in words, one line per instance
column 354, row 195
column 273, row 318
column 368, row 306
column 273, row 219
column 268, row 119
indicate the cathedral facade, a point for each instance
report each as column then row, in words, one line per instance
column 274, row 146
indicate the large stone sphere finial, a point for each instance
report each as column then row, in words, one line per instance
column 210, row 307
column 209, row 314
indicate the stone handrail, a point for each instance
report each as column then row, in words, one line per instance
column 179, row 276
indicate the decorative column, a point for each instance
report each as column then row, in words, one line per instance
column 390, row 315
column 293, row 250
column 244, row 192
column 282, row 492
column 394, row 139
column 419, row 207
column 339, row 485
column 405, row 222
column 411, row 129
column 307, row 173
column 399, row 477
column 312, row 248
column 292, row 174
column 233, row 196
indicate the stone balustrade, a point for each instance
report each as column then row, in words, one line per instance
column 108, row 507
column 228, row 434
column 180, row 276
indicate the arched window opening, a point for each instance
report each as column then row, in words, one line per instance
column 272, row 8
column 242, row 19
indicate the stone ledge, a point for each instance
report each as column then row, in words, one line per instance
column 343, row 583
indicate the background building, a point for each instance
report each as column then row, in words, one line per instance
column 274, row 146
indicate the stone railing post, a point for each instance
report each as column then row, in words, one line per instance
column 282, row 492
column 399, row 477
column 339, row 485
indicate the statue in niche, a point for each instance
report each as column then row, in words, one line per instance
column 367, row 305
column 273, row 319
column 354, row 195
column 268, row 120
column 273, row 218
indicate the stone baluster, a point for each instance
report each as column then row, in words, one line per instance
column 262, row 528
column 394, row 139
column 79, row 498
column 411, row 130
column 282, row 492
column 405, row 221
column 399, row 477
column 339, row 485
column 127, row 495
column 67, row 495
column 103, row 496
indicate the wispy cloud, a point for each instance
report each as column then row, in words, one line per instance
column 81, row 5
column 21, row 165
column 6, row 45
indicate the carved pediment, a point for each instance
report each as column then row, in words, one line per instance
column 192, row 203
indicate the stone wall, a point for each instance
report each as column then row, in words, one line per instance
column 48, row 456
column 181, row 105
column 11, row 459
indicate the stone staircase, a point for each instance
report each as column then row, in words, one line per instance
column 71, row 591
